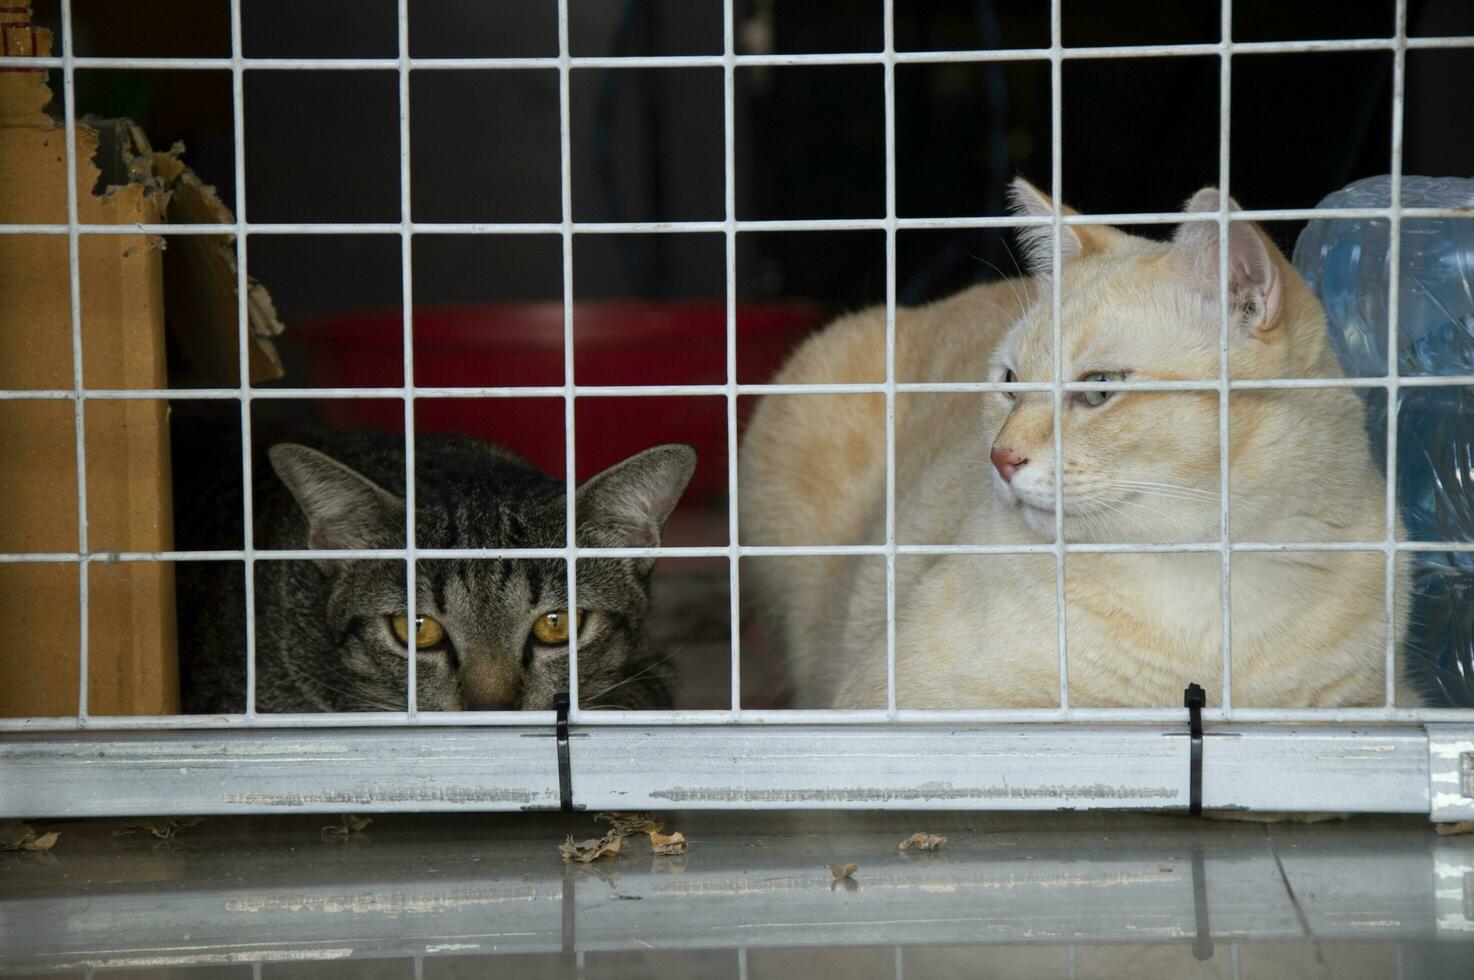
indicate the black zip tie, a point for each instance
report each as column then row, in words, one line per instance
column 565, row 773
column 1194, row 699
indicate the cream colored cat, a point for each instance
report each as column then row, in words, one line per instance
column 1308, row 628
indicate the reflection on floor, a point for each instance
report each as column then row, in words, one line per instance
column 1043, row 895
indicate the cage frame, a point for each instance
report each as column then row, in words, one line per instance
column 1378, row 759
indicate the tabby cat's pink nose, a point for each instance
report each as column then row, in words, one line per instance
column 1007, row 462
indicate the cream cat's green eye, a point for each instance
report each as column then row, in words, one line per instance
column 551, row 629
column 1009, row 378
column 428, row 632
column 1095, row 399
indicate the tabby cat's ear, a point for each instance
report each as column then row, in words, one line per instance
column 1255, row 289
column 344, row 509
column 626, row 505
column 1028, row 201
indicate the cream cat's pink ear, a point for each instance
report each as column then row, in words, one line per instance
column 1028, row 201
column 1255, row 288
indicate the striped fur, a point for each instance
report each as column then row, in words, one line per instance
column 323, row 639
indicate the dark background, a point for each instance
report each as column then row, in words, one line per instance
column 647, row 144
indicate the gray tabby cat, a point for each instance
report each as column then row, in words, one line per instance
column 332, row 635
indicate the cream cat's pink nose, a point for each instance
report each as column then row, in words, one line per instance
column 1007, row 462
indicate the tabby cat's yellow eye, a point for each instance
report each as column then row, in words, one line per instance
column 428, row 631
column 551, row 629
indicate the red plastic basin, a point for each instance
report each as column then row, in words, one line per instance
column 521, row 344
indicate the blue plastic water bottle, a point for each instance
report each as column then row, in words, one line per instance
column 1347, row 265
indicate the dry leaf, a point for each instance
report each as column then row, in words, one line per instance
column 668, row 843
column 621, row 827
column 923, row 842
column 349, row 825
column 848, row 871
column 17, row 836
column 162, row 829
column 629, row 824
column 43, row 843
column 1462, row 827
column 591, row 850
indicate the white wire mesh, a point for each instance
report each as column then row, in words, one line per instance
column 729, row 206
column 1056, row 264
column 1225, row 577
column 890, row 359
column 242, row 314
column 74, row 278
column 1394, row 301
column 730, row 227
column 407, row 286
column 570, row 447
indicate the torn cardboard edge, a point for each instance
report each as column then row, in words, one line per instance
column 200, row 271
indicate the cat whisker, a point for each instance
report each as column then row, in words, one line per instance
column 1097, row 521
column 1005, row 277
column 352, row 695
column 358, row 698
column 1164, row 494
column 642, row 671
column 1132, row 520
column 1002, row 277
column 1117, row 509
column 354, row 698
column 1174, row 487
column 1008, row 250
column 1129, row 502
column 1146, row 485
column 1169, row 496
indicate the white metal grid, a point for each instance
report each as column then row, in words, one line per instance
column 730, row 226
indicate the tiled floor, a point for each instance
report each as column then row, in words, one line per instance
column 1058, row 895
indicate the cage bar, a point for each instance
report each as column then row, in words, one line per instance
column 1394, row 270
column 1225, row 574
column 890, row 359
column 757, row 60
column 742, row 225
column 406, row 271
column 1056, row 385
column 729, row 239
column 243, row 358
column 79, row 403
column 570, row 446
column 666, row 391
column 717, row 551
